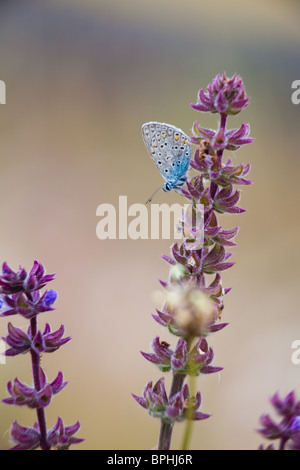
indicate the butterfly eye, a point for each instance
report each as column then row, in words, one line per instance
column 159, row 162
column 166, row 171
column 173, row 164
column 176, row 148
column 187, row 154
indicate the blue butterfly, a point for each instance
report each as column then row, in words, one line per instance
column 171, row 151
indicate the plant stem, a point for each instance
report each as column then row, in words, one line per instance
column 223, row 121
column 189, row 419
column 35, row 361
column 222, row 128
column 166, row 428
column 282, row 443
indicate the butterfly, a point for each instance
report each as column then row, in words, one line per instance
column 171, row 150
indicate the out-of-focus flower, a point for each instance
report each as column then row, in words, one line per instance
column 192, row 310
column 269, row 447
column 213, row 291
column 287, row 430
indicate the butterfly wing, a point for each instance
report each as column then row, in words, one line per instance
column 169, row 148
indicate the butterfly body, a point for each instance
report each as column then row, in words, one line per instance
column 171, row 151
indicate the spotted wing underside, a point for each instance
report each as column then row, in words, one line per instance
column 169, row 148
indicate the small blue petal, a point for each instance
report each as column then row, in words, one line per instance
column 295, row 426
column 50, row 298
column 1, row 302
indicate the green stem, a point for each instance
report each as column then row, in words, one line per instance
column 189, row 419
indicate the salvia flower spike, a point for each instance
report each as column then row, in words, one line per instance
column 193, row 304
column 21, row 294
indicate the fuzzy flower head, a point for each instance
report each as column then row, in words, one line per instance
column 223, row 95
column 193, row 310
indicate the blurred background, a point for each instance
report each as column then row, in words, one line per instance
column 81, row 79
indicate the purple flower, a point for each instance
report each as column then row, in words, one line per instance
column 24, row 437
column 50, row 341
column 269, row 447
column 207, row 260
column 175, row 408
column 22, row 394
column 161, row 356
column 59, row 437
column 200, row 359
column 225, row 200
column 229, row 140
column 28, row 307
column 13, row 282
column 223, row 95
column 287, row 430
column 180, row 360
column 18, row 341
column 224, row 176
column 21, row 342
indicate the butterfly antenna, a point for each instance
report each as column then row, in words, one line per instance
column 151, row 197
